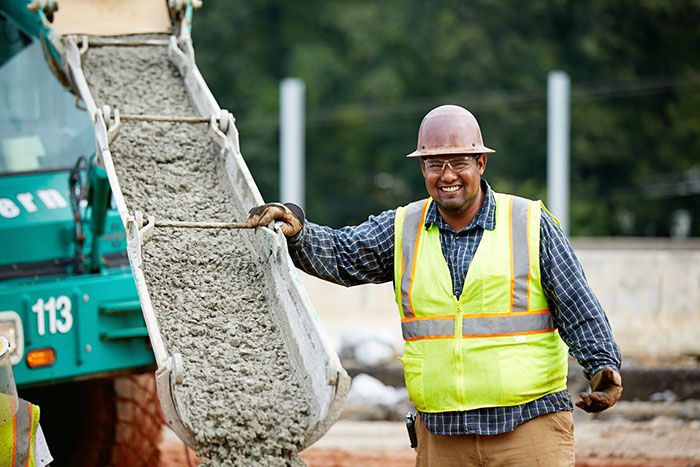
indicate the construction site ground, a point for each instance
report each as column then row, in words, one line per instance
column 661, row 442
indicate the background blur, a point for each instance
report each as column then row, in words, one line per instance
column 374, row 69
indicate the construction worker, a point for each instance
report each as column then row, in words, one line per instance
column 22, row 442
column 490, row 295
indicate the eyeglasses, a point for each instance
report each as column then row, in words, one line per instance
column 461, row 164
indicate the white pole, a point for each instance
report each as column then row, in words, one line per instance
column 558, row 137
column 292, row 141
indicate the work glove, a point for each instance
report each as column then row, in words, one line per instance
column 290, row 215
column 606, row 389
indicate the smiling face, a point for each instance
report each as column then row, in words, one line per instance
column 456, row 193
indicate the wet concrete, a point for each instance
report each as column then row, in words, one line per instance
column 242, row 399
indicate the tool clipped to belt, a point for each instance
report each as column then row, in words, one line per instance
column 411, row 427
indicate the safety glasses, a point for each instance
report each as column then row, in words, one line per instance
column 456, row 164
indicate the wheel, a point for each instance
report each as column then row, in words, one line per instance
column 103, row 422
column 139, row 422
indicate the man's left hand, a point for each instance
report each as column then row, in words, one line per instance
column 606, row 389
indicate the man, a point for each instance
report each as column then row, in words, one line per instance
column 489, row 291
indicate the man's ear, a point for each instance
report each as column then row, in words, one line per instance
column 422, row 166
column 481, row 163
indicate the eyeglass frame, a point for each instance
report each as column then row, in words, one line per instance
column 446, row 162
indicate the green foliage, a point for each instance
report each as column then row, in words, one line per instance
column 373, row 69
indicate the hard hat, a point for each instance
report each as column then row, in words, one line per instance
column 449, row 129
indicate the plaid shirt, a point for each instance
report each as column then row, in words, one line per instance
column 365, row 254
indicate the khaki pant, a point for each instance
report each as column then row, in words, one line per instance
column 547, row 440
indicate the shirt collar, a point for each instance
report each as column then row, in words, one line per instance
column 485, row 218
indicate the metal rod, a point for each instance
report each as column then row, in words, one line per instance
column 558, row 140
column 292, row 141
column 202, row 225
column 164, row 118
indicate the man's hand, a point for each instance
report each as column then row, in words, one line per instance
column 291, row 216
column 606, row 389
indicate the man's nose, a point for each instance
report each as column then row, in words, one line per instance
column 448, row 173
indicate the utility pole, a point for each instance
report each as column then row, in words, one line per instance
column 292, row 164
column 558, row 142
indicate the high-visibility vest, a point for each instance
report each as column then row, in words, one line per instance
column 18, row 434
column 494, row 346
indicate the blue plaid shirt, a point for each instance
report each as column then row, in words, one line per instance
column 365, row 254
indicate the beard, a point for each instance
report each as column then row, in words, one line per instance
column 455, row 206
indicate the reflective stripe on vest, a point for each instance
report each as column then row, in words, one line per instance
column 413, row 223
column 23, row 431
column 520, row 258
column 479, row 325
column 518, row 321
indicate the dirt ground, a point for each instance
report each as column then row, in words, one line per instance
column 662, row 442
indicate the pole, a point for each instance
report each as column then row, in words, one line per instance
column 558, row 141
column 292, row 141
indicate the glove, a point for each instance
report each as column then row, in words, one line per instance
column 606, row 389
column 291, row 216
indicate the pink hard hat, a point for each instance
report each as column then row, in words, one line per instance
column 449, row 129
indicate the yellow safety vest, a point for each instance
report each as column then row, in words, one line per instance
column 494, row 346
column 18, row 434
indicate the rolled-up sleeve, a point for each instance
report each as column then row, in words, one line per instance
column 577, row 312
